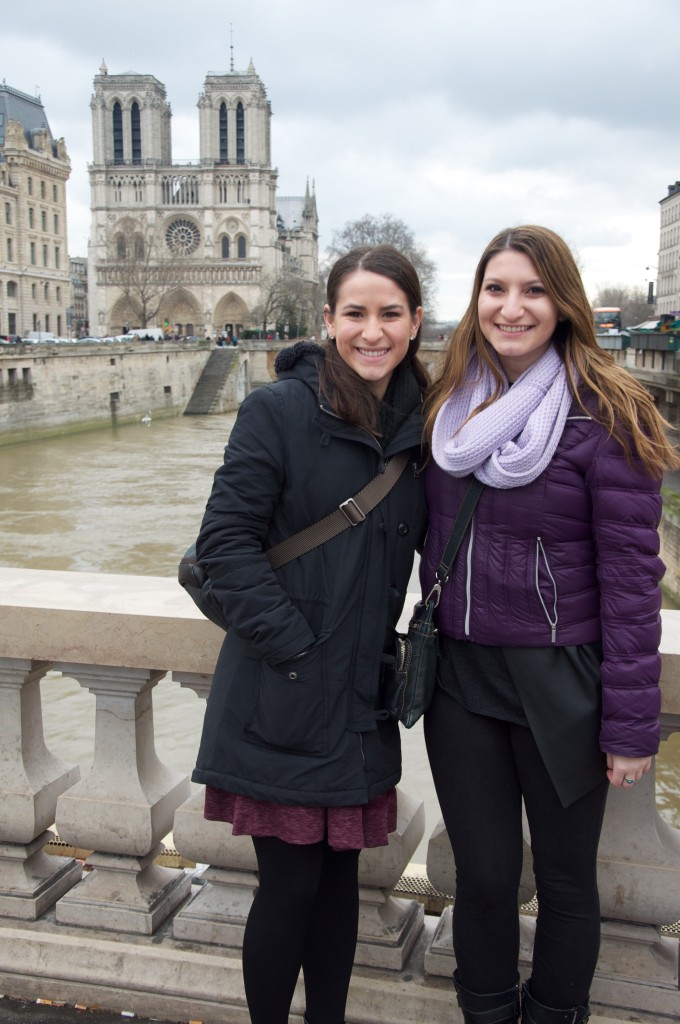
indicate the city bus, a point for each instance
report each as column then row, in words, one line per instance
column 607, row 318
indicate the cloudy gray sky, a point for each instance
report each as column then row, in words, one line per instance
column 460, row 117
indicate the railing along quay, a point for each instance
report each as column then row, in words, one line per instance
column 125, row 932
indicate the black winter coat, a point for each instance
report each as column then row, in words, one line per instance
column 305, row 730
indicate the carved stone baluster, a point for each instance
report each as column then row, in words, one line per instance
column 639, row 882
column 31, row 779
column 122, row 810
column 389, row 926
column 441, row 871
column 219, row 910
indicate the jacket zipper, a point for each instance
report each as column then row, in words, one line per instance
column 468, row 579
column 552, row 622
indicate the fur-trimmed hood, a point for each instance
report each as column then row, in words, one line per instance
column 288, row 357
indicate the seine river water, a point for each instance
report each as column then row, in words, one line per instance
column 129, row 500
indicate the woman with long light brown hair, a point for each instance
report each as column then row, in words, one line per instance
column 549, row 625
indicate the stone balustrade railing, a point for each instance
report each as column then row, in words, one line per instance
column 125, row 932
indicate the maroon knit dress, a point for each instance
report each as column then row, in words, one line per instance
column 344, row 828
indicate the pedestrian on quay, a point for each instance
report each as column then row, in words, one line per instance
column 548, row 690
column 295, row 751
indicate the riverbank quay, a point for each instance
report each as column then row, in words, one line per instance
column 123, row 932
column 48, row 390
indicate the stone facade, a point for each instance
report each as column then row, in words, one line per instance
column 35, row 289
column 668, row 279
column 199, row 245
column 79, row 320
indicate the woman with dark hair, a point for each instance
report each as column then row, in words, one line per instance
column 296, row 750
column 549, row 625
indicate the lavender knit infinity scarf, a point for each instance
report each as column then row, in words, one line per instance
column 510, row 442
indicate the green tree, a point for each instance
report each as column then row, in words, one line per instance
column 388, row 230
column 632, row 302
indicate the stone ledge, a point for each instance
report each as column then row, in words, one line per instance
column 159, row 976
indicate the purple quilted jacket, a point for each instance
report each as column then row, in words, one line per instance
column 571, row 558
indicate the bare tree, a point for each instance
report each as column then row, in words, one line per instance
column 632, row 302
column 388, row 230
column 144, row 271
column 285, row 299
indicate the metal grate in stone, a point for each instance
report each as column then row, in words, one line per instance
column 419, row 887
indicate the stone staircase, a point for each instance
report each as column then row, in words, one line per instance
column 211, row 382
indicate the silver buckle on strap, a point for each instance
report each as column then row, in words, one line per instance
column 352, row 512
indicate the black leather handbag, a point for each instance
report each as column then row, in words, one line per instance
column 416, row 653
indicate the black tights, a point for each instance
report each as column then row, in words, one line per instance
column 305, row 914
column 482, row 768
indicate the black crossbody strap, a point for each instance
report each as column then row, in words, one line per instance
column 461, row 523
column 350, row 513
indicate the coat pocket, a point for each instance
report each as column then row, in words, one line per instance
column 290, row 706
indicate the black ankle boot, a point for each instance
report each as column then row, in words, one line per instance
column 534, row 1012
column 495, row 1008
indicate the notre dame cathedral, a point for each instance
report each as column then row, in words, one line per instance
column 198, row 247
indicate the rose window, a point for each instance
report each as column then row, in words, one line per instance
column 182, row 237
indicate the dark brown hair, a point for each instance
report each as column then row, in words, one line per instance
column 348, row 393
column 625, row 407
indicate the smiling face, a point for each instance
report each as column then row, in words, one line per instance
column 517, row 316
column 372, row 326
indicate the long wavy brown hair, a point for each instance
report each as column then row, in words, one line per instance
column 625, row 407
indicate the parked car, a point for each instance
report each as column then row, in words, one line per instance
column 10, row 339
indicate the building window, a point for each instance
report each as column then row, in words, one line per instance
column 57, row 257
column 241, row 247
column 136, row 132
column 12, row 323
column 180, row 189
column 47, row 321
column 58, row 294
column 47, row 293
column 11, row 290
column 139, row 247
column 59, row 325
column 30, row 216
column 42, row 189
column 35, row 321
column 32, row 252
column 33, row 292
column 54, row 193
column 26, row 375
column 222, row 189
column 224, row 153
column 56, row 223
column 43, row 220
column 240, row 134
column 10, row 256
column 29, row 185
column 8, row 213
column 225, row 247
column 121, row 247
column 117, row 133
column 44, row 255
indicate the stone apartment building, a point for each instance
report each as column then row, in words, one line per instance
column 196, row 246
column 668, row 273
column 35, row 289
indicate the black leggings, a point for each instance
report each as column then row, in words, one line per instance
column 305, row 914
column 482, row 769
